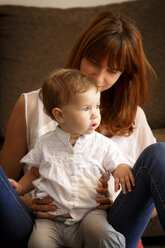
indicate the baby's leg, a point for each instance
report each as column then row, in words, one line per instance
column 98, row 233
column 46, row 233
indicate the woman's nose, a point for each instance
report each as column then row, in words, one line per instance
column 98, row 78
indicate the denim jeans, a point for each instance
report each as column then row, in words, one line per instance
column 15, row 218
column 130, row 213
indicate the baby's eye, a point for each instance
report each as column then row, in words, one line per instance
column 97, row 106
column 85, row 109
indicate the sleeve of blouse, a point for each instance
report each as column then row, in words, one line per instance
column 114, row 157
column 34, row 156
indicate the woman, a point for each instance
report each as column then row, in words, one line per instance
column 110, row 51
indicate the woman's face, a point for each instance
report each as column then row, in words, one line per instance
column 104, row 77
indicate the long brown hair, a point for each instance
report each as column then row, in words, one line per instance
column 114, row 36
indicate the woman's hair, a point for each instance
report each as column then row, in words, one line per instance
column 113, row 36
column 61, row 85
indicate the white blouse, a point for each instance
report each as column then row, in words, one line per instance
column 38, row 123
column 70, row 175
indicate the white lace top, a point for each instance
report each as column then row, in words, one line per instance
column 38, row 123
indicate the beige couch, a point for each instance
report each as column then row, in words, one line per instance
column 33, row 41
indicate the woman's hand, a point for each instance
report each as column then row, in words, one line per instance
column 105, row 202
column 15, row 185
column 40, row 207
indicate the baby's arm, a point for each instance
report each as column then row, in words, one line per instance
column 25, row 185
column 123, row 175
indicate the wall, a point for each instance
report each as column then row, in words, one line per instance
column 60, row 3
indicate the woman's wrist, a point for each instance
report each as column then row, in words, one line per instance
column 27, row 202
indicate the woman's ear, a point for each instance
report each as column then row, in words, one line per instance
column 58, row 115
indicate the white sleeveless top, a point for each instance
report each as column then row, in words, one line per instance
column 39, row 123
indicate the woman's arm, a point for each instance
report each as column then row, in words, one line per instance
column 25, row 184
column 15, row 145
column 14, row 149
column 27, row 179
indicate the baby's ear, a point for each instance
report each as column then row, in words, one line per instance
column 58, row 115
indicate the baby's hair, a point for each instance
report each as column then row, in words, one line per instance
column 61, row 85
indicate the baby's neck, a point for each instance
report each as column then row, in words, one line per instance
column 73, row 138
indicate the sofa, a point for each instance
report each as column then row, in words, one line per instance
column 34, row 41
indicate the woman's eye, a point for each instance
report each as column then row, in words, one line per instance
column 112, row 71
column 85, row 109
column 92, row 61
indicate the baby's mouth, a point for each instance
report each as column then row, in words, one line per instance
column 93, row 126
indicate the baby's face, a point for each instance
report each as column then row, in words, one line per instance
column 82, row 113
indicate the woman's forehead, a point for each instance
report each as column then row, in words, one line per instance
column 115, row 53
column 107, row 61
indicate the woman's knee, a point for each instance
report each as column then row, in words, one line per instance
column 153, row 155
column 156, row 150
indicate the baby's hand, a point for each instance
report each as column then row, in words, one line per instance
column 123, row 175
column 15, row 185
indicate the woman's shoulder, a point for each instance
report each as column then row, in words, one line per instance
column 31, row 96
column 140, row 115
column 37, row 121
column 140, row 111
column 31, row 99
column 32, row 93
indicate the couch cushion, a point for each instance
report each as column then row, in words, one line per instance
column 154, row 228
column 34, row 41
column 159, row 134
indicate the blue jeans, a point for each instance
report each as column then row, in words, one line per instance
column 129, row 214
column 16, row 220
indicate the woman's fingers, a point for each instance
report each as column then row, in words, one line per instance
column 104, row 206
column 103, row 182
column 46, row 200
column 104, row 189
column 42, row 205
column 105, row 202
column 44, row 215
